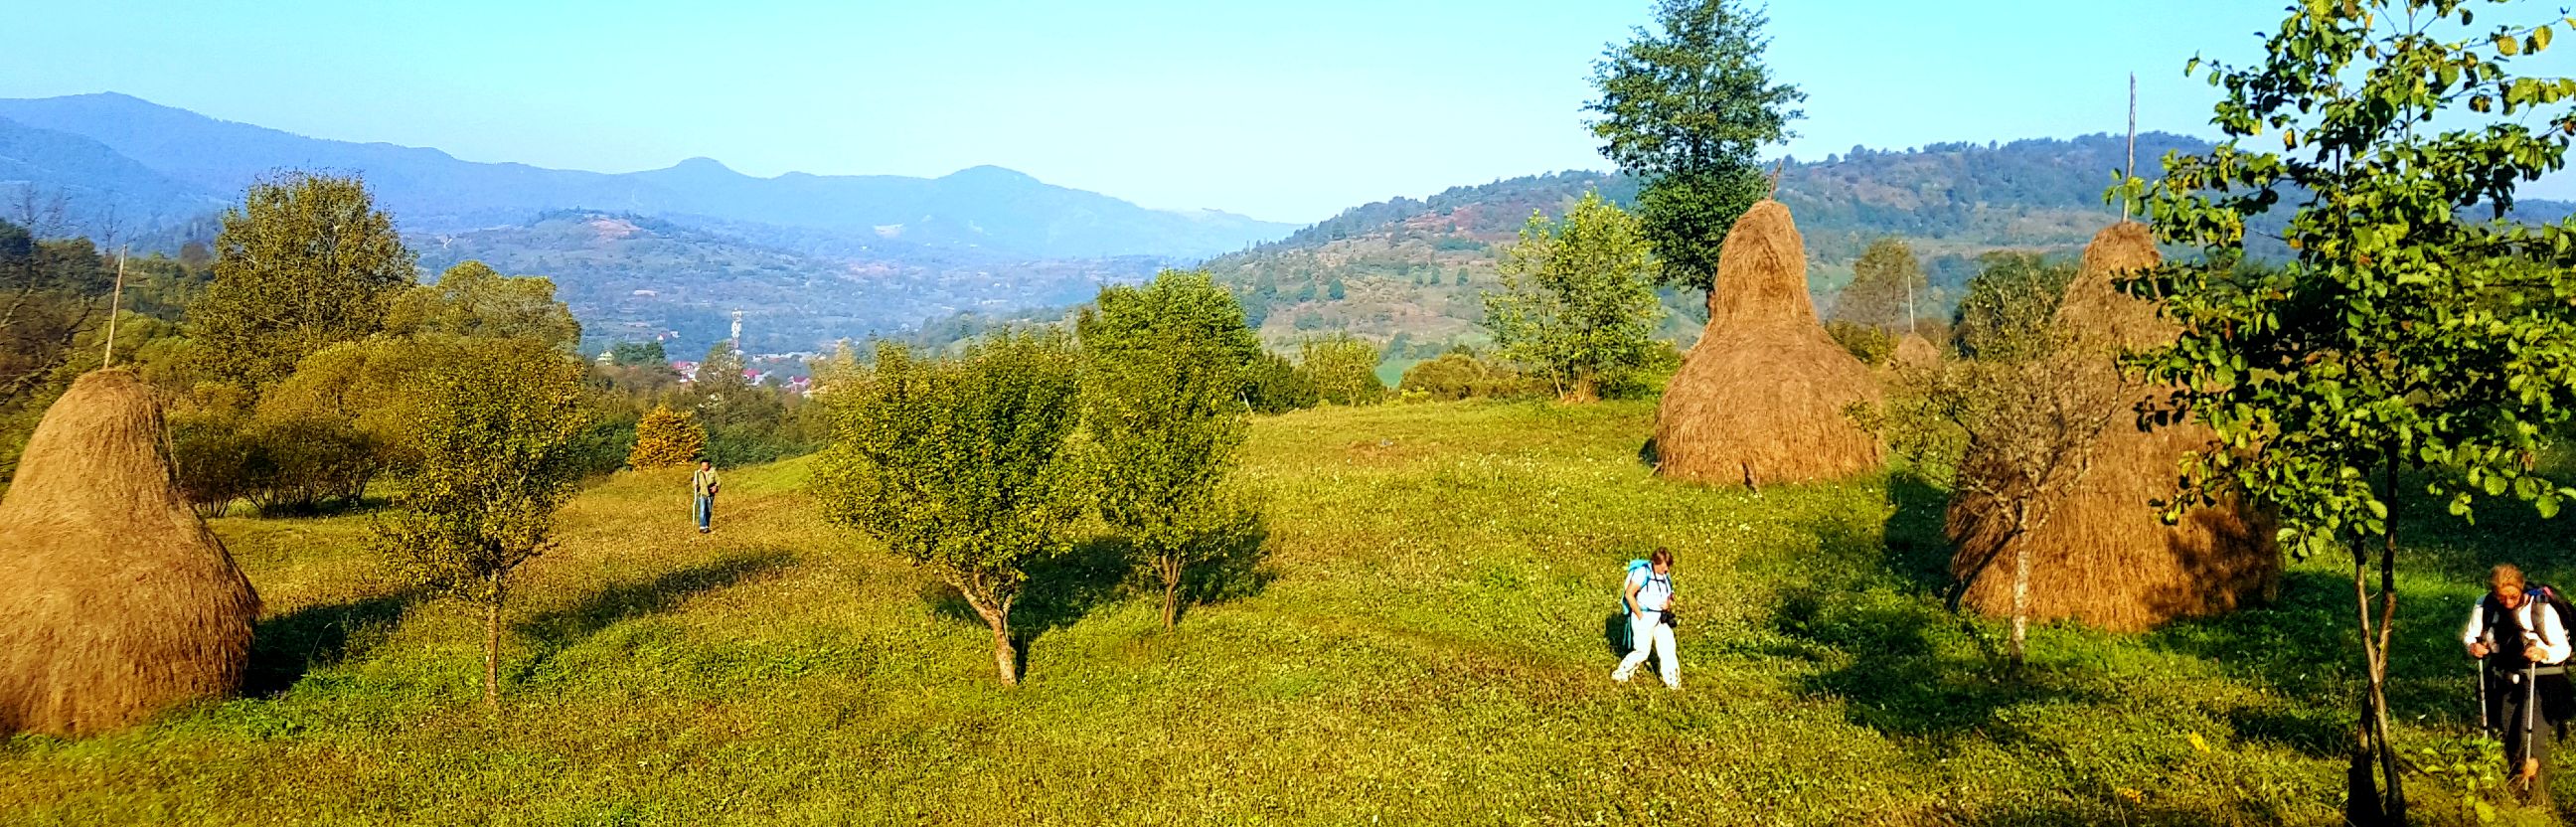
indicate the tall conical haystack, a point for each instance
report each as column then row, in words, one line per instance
column 115, row 601
column 1763, row 397
column 1917, row 351
column 2104, row 557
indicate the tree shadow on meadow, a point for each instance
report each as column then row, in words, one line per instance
column 557, row 630
column 1058, row 593
column 286, row 647
column 1867, row 606
column 1062, row 590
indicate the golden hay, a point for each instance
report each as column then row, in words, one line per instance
column 2103, row 557
column 1763, row 397
column 1916, row 350
column 119, row 602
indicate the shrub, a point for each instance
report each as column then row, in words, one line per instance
column 1868, row 343
column 1459, row 374
column 665, row 438
column 303, row 464
column 1343, row 369
column 1272, row 384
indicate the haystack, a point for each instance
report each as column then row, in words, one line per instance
column 117, row 602
column 2103, row 557
column 1764, row 397
column 1914, row 350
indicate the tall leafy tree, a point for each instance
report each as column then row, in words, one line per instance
column 2411, row 329
column 1167, row 366
column 1577, row 304
column 306, row 261
column 472, row 299
column 498, row 458
column 1887, row 285
column 1684, row 108
column 963, row 465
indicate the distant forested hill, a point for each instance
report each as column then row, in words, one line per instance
column 636, row 278
column 1415, row 269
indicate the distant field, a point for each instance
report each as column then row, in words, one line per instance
column 1424, row 646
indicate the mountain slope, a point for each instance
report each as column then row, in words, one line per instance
column 97, row 186
column 431, row 191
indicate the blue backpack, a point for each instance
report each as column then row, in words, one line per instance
column 1627, row 637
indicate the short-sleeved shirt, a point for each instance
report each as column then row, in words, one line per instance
column 1654, row 591
column 703, row 483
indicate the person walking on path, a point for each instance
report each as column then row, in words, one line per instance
column 1649, row 595
column 703, row 484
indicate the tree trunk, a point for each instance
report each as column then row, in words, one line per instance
column 2391, row 803
column 492, row 652
column 2379, row 663
column 1170, row 564
column 2020, row 601
column 996, row 614
column 1006, row 658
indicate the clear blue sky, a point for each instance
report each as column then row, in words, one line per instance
column 1283, row 111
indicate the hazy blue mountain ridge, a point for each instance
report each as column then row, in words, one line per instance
column 431, row 191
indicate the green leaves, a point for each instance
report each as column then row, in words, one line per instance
column 961, row 464
column 306, row 261
column 1686, row 109
column 1577, row 305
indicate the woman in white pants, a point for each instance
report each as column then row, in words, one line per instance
column 1650, row 594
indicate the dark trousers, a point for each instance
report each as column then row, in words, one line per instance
column 2513, row 705
column 706, row 512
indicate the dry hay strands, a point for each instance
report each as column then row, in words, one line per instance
column 1914, row 350
column 1765, row 396
column 2103, row 555
column 120, row 603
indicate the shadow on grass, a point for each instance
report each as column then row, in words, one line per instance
column 286, row 647
column 1868, row 606
column 558, row 630
column 1061, row 591
column 1057, row 593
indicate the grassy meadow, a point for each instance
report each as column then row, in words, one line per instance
column 1423, row 642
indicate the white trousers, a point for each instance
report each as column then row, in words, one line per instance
column 1651, row 636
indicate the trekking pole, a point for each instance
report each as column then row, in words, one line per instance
column 2478, row 667
column 2530, row 698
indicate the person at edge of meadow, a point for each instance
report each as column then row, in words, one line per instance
column 703, row 484
column 1649, row 596
column 2514, row 630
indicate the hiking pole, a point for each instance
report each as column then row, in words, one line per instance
column 2530, row 698
column 2486, row 721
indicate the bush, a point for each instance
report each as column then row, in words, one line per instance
column 1271, row 384
column 307, row 464
column 666, row 438
column 1343, row 369
column 1459, row 374
column 1866, row 342
column 212, row 454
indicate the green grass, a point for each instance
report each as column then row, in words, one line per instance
column 1423, row 643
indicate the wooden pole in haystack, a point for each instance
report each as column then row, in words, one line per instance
column 115, row 302
column 2131, row 170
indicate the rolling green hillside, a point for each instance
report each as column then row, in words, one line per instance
column 1422, row 645
column 1400, row 262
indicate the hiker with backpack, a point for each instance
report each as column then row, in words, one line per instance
column 2521, row 635
column 1647, row 596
